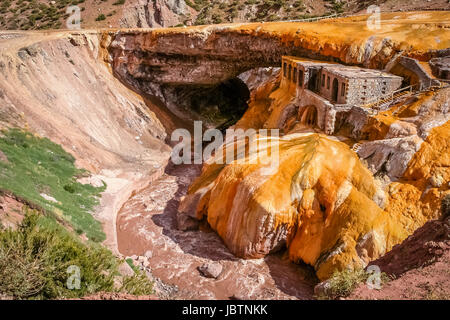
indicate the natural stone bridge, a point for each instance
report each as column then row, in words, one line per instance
column 208, row 55
column 182, row 66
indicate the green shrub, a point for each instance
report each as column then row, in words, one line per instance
column 35, row 261
column 342, row 283
column 138, row 285
column 100, row 17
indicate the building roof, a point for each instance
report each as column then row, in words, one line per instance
column 358, row 73
column 349, row 72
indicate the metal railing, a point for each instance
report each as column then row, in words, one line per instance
column 335, row 15
column 378, row 101
column 402, row 92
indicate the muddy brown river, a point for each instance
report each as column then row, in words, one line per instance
column 147, row 222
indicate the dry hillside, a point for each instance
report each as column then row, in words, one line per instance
column 52, row 14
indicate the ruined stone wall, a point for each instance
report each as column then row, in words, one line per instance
column 290, row 74
column 294, row 80
column 300, row 75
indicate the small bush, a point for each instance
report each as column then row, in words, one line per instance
column 34, row 260
column 69, row 188
column 342, row 283
column 137, row 285
column 100, row 17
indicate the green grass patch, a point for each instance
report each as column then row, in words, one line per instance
column 129, row 261
column 38, row 166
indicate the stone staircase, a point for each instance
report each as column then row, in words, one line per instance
column 384, row 102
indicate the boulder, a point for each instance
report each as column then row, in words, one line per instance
column 441, row 67
column 211, row 270
column 390, row 156
column 400, row 129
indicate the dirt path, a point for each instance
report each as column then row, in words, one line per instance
column 147, row 222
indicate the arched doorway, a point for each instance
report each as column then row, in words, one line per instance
column 334, row 92
column 312, row 84
column 309, row 116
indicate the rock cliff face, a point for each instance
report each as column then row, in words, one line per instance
column 154, row 13
column 79, row 95
column 211, row 54
column 172, row 63
column 179, row 66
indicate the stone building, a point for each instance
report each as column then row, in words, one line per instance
column 322, row 88
column 339, row 84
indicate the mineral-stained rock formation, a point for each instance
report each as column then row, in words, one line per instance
column 390, row 156
column 328, row 212
column 207, row 55
column 170, row 63
column 320, row 201
column 419, row 266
